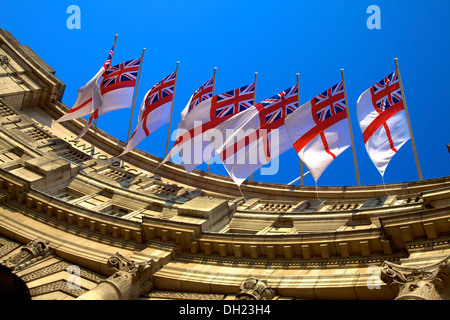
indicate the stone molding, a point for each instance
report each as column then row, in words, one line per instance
column 7, row 246
column 169, row 295
column 191, row 239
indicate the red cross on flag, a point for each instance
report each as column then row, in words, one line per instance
column 154, row 111
column 382, row 119
column 116, row 90
column 193, row 142
column 203, row 93
column 258, row 136
column 86, row 94
column 319, row 129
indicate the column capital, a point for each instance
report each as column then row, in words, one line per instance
column 255, row 289
column 427, row 282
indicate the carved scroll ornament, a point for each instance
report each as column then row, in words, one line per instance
column 428, row 282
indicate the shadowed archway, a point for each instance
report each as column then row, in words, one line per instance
column 12, row 287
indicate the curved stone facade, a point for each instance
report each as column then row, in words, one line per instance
column 176, row 236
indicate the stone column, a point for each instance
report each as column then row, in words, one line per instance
column 428, row 282
column 130, row 281
column 255, row 289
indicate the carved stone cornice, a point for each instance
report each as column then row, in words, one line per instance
column 429, row 282
column 29, row 254
column 130, row 281
column 255, row 289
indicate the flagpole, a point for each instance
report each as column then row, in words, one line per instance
column 115, row 40
column 134, row 99
column 409, row 122
column 302, row 182
column 95, row 121
column 254, row 102
column 171, row 109
column 213, row 94
column 135, row 95
column 350, row 128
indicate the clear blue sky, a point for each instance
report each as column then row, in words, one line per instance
column 277, row 39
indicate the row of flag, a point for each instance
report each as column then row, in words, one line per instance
column 318, row 130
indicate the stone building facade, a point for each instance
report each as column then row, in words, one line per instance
column 77, row 224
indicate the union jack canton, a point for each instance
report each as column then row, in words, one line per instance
column 329, row 102
column 203, row 93
column 279, row 106
column 162, row 89
column 108, row 61
column 122, row 75
column 232, row 102
column 387, row 92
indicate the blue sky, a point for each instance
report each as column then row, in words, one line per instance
column 277, row 39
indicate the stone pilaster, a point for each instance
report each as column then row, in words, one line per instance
column 255, row 289
column 428, row 282
column 130, row 281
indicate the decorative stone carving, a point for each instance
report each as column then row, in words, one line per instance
column 60, row 285
column 30, row 253
column 7, row 246
column 428, row 282
column 130, row 281
column 4, row 60
column 255, row 289
column 185, row 295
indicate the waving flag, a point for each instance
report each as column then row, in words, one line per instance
column 319, row 129
column 118, row 86
column 382, row 120
column 203, row 93
column 192, row 139
column 116, row 90
column 84, row 103
column 258, row 137
column 231, row 102
column 154, row 111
